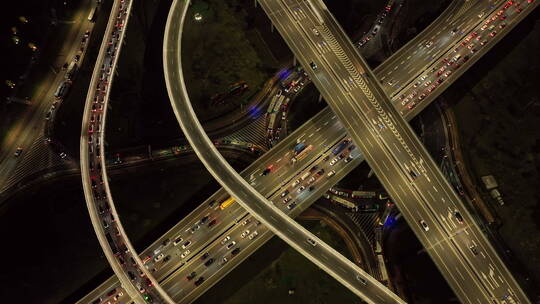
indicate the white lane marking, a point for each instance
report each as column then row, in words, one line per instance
column 435, row 189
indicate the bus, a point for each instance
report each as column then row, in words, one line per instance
column 226, row 203
column 92, row 14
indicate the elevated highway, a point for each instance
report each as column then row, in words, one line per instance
column 175, row 270
column 425, row 198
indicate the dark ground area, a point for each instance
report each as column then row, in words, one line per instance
column 219, row 51
column 424, row 281
column 16, row 58
column 497, row 108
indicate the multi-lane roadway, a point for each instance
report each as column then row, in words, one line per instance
column 404, row 167
column 136, row 280
column 261, row 165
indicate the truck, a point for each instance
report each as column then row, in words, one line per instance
column 299, row 148
column 304, row 152
column 340, row 147
column 226, row 203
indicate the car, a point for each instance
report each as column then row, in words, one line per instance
column 199, row 281
column 291, row 206
column 195, row 228
column 320, row 172
column 223, row 261
column 502, row 25
column 287, row 199
column 267, row 170
column 63, row 155
column 361, row 280
column 228, row 237
column 286, row 192
column 334, row 161
column 177, row 240
column 311, row 188
column 427, row 83
column 429, row 43
column 312, row 242
column 470, row 46
column 424, row 225
column 231, row 244
column 483, row 42
column 313, row 65
column 473, row 249
column 311, row 180
column 212, row 223
column 315, row 31
column 204, row 256
column 348, row 159
column 18, row 152
column 244, row 234
column 253, row 235
column 203, row 219
column 209, row 262
column 185, row 254
column 492, row 34
column 326, row 158
column 458, row 216
column 235, row 251
column 77, row 57
column 246, row 221
column 159, row 257
column 296, row 183
column 186, row 244
column 331, row 173
column 302, row 188
column 191, row 276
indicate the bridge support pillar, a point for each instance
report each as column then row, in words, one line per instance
column 320, row 98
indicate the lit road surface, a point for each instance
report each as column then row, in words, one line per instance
column 126, row 264
column 391, row 148
column 252, row 174
column 29, row 128
column 346, row 272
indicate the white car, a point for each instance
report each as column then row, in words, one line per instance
column 159, row 257
column 231, row 245
column 334, row 161
column 228, row 237
column 247, row 221
column 296, row 183
column 253, row 235
column 302, row 188
column 185, row 254
column 331, row 173
column 244, row 234
column 312, row 242
column 424, row 225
